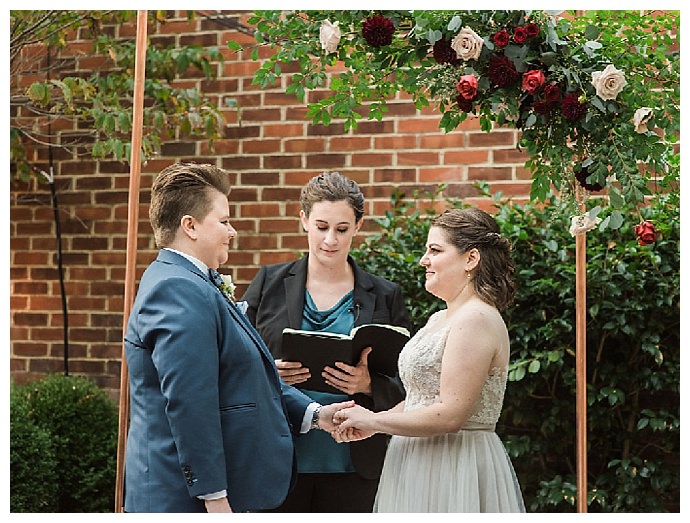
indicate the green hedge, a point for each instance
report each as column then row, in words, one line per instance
column 33, row 466
column 63, row 440
column 633, row 350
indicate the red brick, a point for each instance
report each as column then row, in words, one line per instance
column 269, row 147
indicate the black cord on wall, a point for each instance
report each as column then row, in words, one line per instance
column 58, row 236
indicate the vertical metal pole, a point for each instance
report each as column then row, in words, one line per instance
column 132, row 230
column 581, row 367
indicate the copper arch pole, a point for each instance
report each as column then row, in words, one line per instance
column 581, row 367
column 132, row 230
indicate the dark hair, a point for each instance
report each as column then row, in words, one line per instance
column 473, row 228
column 183, row 188
column 332, row 187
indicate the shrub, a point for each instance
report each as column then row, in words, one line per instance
column 33, row 466
column 633, row 350
column 82, row 422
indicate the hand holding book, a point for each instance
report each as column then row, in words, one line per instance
column 317, row 350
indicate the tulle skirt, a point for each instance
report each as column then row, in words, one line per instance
column 468, row 471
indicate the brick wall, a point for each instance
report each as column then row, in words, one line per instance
column 269, row 148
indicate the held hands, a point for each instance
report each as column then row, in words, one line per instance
column 327, row 415
column 332, row 417
column 353, row 424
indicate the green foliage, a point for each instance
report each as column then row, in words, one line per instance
column 633, row 360
column 633, row 350
column 363, row 77
column 81, row 423
column 33, row 466
column 103, row 100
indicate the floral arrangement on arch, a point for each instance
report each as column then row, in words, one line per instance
column 593, row 118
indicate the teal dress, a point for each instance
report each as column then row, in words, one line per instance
column 317, row 451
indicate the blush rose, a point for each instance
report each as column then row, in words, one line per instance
column 609, row 82
column 467, row 44
column 467, row 86
column 533, row 80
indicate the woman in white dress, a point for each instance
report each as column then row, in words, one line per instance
column 444, row 455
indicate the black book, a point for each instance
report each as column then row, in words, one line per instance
column 317, row 350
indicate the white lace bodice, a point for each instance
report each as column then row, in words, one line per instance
column 420, row 371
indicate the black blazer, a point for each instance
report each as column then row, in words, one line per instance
column 275, row 300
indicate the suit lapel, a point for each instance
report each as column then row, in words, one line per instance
column 295, row 288
column 167, row 256
column 364, row 297
column 243, row 321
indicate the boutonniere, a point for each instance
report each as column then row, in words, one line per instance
column 227, row 287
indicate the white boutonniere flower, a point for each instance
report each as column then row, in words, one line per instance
column 228, row 287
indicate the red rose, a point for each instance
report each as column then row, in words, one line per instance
column 645, row 233
column 467, row 86
column 532, row 81
column 502, row 38
column 532, row 30
column 520, row 35
column 378, row 30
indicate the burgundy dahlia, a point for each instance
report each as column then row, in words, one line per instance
column 572, row 108
column 543, row 107
column 464, row 105
column 551, row 93
column 502, row 72
column 444, row 53
column 581, row 177
column 378, row 30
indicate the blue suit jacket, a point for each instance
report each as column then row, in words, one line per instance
column 208, row 410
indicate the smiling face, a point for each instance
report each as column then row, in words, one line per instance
column 330, row 228
column 446, row 268
column 214, row 232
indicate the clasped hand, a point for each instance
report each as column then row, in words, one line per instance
column 351, row 422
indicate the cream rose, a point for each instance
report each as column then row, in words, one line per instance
column 609, row 82
column 329, row 35
column 582, row 223
column 467, row 44
column 641, row 119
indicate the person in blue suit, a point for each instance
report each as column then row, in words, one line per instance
column 211, row 422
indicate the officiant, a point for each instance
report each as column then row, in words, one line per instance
column 326, row 291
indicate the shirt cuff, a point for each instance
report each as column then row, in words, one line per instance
column 214, row 495
column 306, row 421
